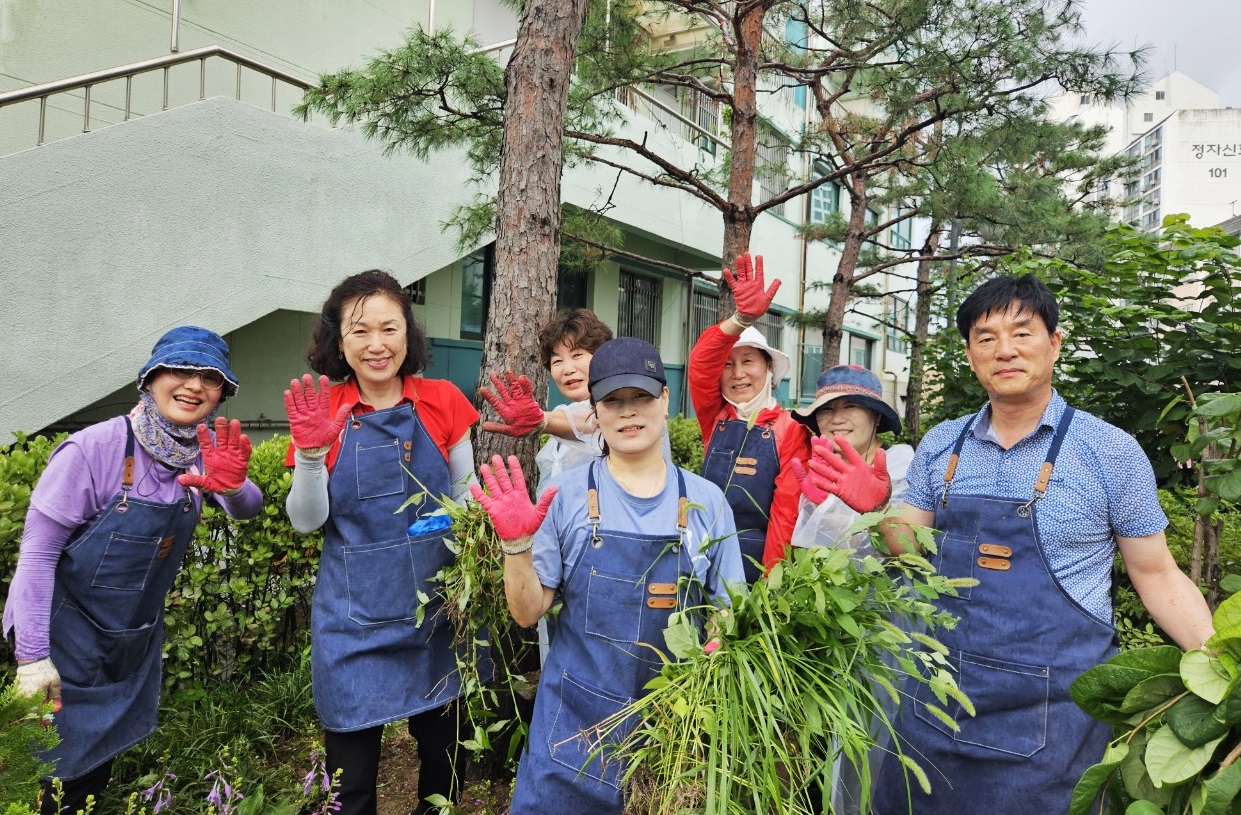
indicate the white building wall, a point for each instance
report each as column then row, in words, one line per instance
column 1202, row 165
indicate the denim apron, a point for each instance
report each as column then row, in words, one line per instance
column 618, row 596
column 1020, row 642
column 107, row 626
column 370, row 662
column 743, row 462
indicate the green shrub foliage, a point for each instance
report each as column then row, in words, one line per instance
column 685, row 437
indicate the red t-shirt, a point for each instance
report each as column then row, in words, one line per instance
column 441, row 406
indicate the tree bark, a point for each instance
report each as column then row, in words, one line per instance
column 528, row 214
column 739, row 217
column 842, row 281
column 922, row 329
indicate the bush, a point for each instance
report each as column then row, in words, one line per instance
column 685, row 437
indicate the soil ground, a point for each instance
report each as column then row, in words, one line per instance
column 398, row 782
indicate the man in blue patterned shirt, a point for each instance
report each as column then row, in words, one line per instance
column 1032, row 498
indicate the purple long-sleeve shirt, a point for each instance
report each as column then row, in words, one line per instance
column 82, row 477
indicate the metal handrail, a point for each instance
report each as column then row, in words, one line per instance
column 85, row 82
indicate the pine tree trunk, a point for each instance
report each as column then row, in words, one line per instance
column 922, row 329
column 739, row 219
column 842, row 281
column 528, row 215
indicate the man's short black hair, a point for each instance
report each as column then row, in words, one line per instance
column 999, row 293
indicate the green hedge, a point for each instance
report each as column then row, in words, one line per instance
column 241, row 601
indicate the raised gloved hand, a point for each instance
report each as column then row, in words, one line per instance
column 863, row 487
column 224, row 460
column 311, row 424
column 507, row 501
column 747, row 288
column 515, row 403
column 39, row 678
column 813, row 485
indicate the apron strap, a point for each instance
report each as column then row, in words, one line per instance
column 127, row 474
column 1044, row 474
column 951, row 472
column 592, row 505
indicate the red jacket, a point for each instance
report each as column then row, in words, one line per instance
column 706, row 363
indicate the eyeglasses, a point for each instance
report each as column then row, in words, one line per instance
column 212, row 379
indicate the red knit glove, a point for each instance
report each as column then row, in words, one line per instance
column 747, row 288
column 863, row 487
column 507, row 501
column 310, row 423
column 515, row 404
column 224, row 460
column 813, row 485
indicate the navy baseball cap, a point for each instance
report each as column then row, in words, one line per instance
column 626, row 362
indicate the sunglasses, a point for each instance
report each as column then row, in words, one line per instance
column 212, row 379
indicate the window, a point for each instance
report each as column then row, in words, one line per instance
column 861, row 350
column 900, row 234
column 1159, row 96
column 1085, row 99
column 772, row 326
column 1148, row 117
column 570, row 289
column 417, row 292
column 705, row 311
column 476, row 271
column 824, row 200
column 811, row 367
column 639, row 307
column 771, row 164
column 898, row 318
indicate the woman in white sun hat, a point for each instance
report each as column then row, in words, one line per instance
column 750, row 439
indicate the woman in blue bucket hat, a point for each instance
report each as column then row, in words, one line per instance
column 848, row 473
column 108, row 524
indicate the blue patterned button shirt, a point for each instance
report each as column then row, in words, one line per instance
column 1102, row 487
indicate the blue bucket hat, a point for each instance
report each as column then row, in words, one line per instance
column 860, row 385
column 190, row 347
column 626, row 362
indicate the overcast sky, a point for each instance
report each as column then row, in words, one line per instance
column 1201, row 38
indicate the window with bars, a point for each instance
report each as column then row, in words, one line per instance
column 900, row 234
column 898, row 319
column 772, row 326
column 771, row 164
column 639, row 310
column 704, row 311
column 811, row 367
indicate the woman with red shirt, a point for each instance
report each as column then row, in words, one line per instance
column 750, row 440
column 361, row 449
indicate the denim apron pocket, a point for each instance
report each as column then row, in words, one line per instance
column 100, row 656
column 379, row 470
column 126, row 562
column 955, row 557
column 605, row 593
column 578, row 748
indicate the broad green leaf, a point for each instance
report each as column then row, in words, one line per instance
column 1152, row 692
column 1143, row 808
column 1228, row 712
column 1204, row 675
column 1220, row 405
column 1228, row 614
column 1101, row 690
column 1193, row 721
column 1161, row 659
column 1227, row 486
column 1170, row 761
column 1215, row 795
column 1088, row 786
column 1230, row 583
column 681, row 636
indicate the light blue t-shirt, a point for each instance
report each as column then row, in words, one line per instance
column 712, row 541
column 1102, row 487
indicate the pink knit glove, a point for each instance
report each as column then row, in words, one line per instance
column 747, row 288
column 310, row 422
column 863, row 487
column 813, row 485
column 224, row 460
column 508, row 503
column 516, row 405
